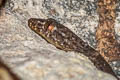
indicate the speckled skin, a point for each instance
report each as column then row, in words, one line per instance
column 59, row 35
column 63, row 38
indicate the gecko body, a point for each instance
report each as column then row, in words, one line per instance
column 64, row 39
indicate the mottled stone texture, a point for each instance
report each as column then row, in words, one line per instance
column 31, row 57
column 107, row 43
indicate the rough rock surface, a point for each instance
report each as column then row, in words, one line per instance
column 31, row 57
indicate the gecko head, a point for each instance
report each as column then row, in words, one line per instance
column 40, row 25
column 36, row 23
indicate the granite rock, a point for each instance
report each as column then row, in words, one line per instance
column 31, row 57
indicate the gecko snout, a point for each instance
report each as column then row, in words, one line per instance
column 31, row 22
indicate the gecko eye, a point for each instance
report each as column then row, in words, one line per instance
column 50, row 27
column 50, row 24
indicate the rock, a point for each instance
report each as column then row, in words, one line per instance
column 31, row 57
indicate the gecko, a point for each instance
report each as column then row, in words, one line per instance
column 63, row 38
